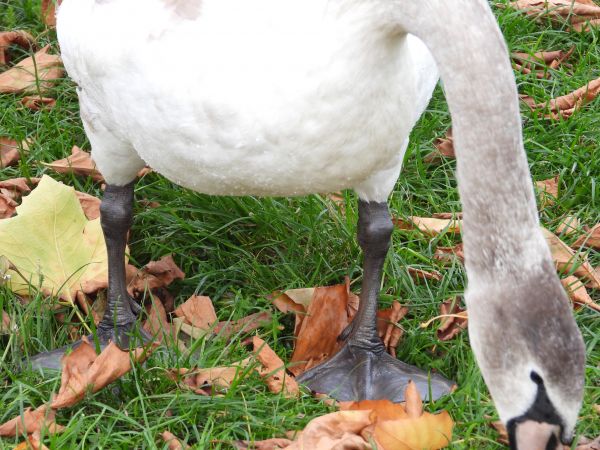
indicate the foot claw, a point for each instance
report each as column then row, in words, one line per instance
column 359, row 374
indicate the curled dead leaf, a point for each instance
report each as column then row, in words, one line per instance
column 444, row 148
column 41, row 418
column 227, row 329
column 567, row 260
column 590, row 239
column 80, row 163
column 10, row 151
column 578, row 293
column 197, row 311
column 420, row 274
column 18, row 37
column 198, row 379
column 568, row 225
column 565, row 105
column 548, row 191
column 573, row 11
column 429, row 225
column 454, row 319
column 273, row 370
column 36, row 103
column 38, row 73
column 387, row 326
column 84, row 371
column 448, row 254
column 172, row 441
column 267, row 444
column 48, row 10
column 156, row 324
column 538, row 62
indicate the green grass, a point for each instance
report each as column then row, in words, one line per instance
column 238, row 250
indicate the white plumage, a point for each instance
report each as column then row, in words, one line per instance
column 240, row 104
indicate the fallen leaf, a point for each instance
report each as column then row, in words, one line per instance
column 296, row 301
column 327, row 315
column 444, row 148
column 156, row 324
column 388, row 328
column 165, row 270
column 31, row 421
column 18, row 37
column 273, row 370
column 338, row 430
column 173, row 443
column 567, row 261
column 429, row 225
column 572, row 11
column 447, row 254
column 590, row 239
column 568, row 225
column 89, row 204
column 153, row 276
column 36, row 103
column 220, row 377
column 548, row 190
column 83, row 371
column 53, row 245
column 587, row 444
column 8, row 206
column 267, row 444
column 49, row 11
column 577, row 292
column 501, row 430
column 6, row 326
column 19, row 185
column 540, row 61
column 420, row 274
column 9, row 151
column 418, row 430
column 38, row 73
column 227, row 329
column 447, row 215
column 80, row 163
column 564, row 106
column 197, row 311
column 454, row 319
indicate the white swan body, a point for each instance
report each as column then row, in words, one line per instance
column 312, row 98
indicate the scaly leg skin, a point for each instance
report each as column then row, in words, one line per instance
column 119, row 321
column 362, row 369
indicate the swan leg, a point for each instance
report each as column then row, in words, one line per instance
column 362, row 369
column 119, row 321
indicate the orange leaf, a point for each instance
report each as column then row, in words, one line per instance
column 420, row 274
column 197, row 379
column 31, row 421
column 8, row 38
column 37, row 103
column 84, row 371
column 429, row 225
column 549, row 191
column 444, row 148
column 157, row 324
column 328, row 314
column 198, row 311
column 447, row 254
column 387, row 326
column 590, row 239
column 49, row 11
column 273, row 370
column 89, row 204
column 227, row 329
column 79, row 163
column 566, row 260
column 173, row 443
column 34, row 74
column 577, row 292
column 9, row 151
column 452, row 323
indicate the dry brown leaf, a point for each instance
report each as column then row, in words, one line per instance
column 444, row 148
column 501, row 429
column 338, row 430
column 10, row 191
column 49, row 11
column 273, row 370
column 38, row 73
column 31, row 421
column 89, row 204
column 8, row 206
column 568, row 225
column 36, row 103
column 267, row 444
column 156, row 324
column 429, row 225
column 564, row 106
column 9, row 151
column 586, row 444
column 387, row 326
column 420, row 274
column 165, row 270
column 448, row 254
column 197, row 311
column 19, row 185
column 575, row 11
column 590, row 239
column 454, row 319
column 548, row 191
column 227, row 329
column 173, row 443
column 327, row 315
column 447, row 215
column 80, row 163
column 5, row 323
column 84, row 371
column 33, row 442
column 566, row 259
column 198, row 379
column 17, row 37
column 577, row 293
column 296, row 301
column 539, row 61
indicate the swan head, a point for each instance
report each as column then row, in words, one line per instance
column 531, row 355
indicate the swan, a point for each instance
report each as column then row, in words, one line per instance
column 289, row 97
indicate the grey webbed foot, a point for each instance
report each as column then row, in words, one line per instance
column 356, row 373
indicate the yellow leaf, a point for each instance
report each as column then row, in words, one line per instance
column 429, row 431
column 53, row 245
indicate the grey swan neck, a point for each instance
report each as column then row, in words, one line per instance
column 500, row 223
